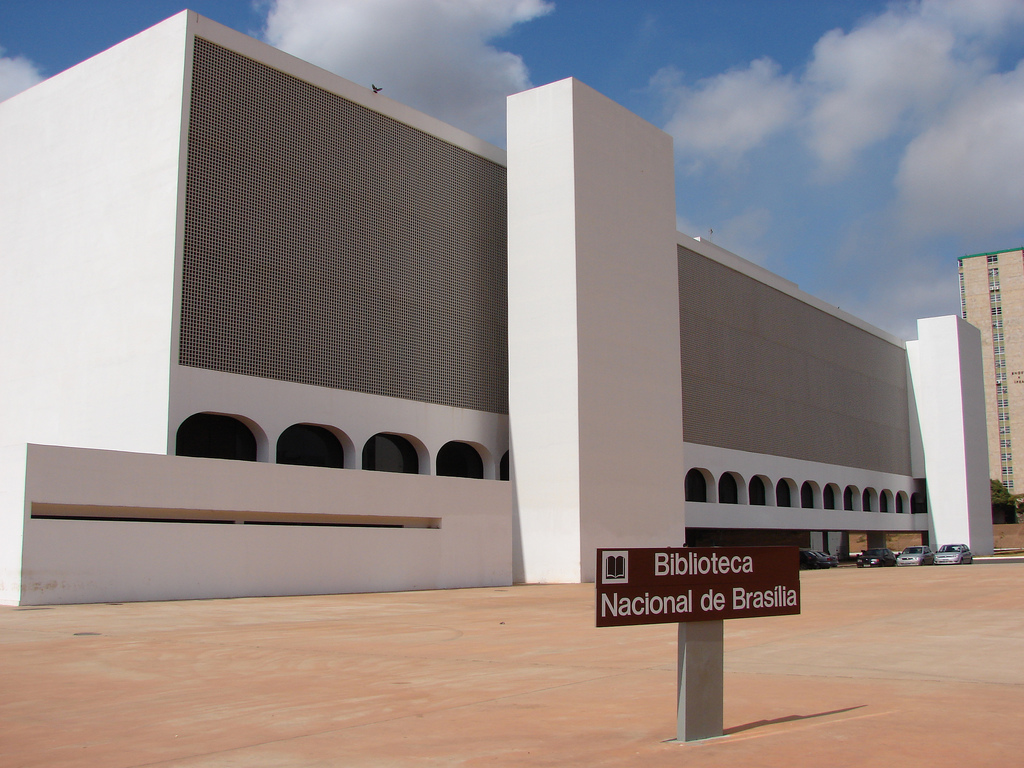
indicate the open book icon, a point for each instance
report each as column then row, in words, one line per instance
column 615, row 567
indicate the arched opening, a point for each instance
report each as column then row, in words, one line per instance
column 884, row 504
column 728, row 493
column 783, row 496
column 311, row 446
column 849, row 495
column 807, row 495
column 215, row 436
column 503, row 467
column 758, row 494
column 866, row 500
column 695, row 485
column 385, row 452
column 901, row 505
column 457, row 459
column 828, row 497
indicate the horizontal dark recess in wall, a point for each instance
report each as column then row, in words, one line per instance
column 98, row 513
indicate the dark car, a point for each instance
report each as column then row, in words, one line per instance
column 870, row 558
column 811, row 560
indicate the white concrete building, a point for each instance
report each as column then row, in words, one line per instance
column 212, row 250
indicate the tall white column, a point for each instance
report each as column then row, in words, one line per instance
column 946, row 372
column 594, row 393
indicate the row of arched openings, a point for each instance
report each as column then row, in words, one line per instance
column 216, row 436
column 731, row 489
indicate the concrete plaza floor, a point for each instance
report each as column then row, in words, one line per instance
column 916, row 666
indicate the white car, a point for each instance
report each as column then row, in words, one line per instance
column 954, row 554
column 916, row 556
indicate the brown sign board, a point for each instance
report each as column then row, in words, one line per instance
column 673, row 585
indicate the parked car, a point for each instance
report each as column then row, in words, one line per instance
column 954, row 554
column 916, row 556
column 833, row 560
column 870, row 558
column 813, row 559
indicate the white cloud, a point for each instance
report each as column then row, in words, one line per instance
column 984, row 18
column 725, row 116
column 897, row 145
column 892, row 76
column 965, row 174
column 866, row 83
column 434, row 55
column 16, row 74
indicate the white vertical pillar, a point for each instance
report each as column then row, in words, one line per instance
column 947, row 376
column 594, row 392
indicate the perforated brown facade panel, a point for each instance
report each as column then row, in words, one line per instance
column 767, row 373
column 327, row 244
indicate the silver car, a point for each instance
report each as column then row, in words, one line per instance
column 954, row 554
column 916, row 556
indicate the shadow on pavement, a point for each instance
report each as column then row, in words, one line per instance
column 787, row 719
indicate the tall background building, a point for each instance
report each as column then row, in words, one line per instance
column 992, row 299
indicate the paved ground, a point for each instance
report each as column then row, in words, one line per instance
column 915, row 666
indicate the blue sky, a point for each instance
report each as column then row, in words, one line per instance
column 854, row 147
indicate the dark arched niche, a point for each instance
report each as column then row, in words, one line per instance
column 385, row 452
column 311, row 446
column 806, row 495
column 457, row 459
column 728, row 493
column 758, row 495
column 696, row 486
column 782, row 494
column 215, row 436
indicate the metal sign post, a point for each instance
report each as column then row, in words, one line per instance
column 700, row 677
column 697, row 588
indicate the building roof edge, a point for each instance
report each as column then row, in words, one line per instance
column 990, row 253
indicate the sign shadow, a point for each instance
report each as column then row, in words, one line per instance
column 787, row 719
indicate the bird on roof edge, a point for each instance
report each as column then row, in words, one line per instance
column 375, row 88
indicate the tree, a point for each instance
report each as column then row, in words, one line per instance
column 1004, row 504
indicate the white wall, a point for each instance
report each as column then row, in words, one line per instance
column 542, row 354
column 946, row 372
column 88, row 197
column 88, row 184
column 594, row 394
column 12, row 521
column 91, row 560
column 631, row 424
column 706, row 515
